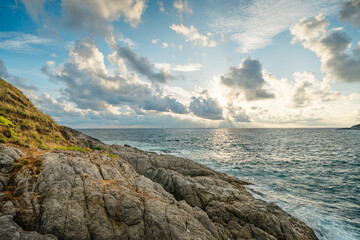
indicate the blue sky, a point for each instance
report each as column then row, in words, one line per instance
column 183, row 63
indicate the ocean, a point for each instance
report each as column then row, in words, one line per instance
column 314, row 174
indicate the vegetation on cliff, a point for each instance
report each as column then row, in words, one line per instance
column 22, row 124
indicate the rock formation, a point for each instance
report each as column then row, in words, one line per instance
column 130, row 194
column 98, row 191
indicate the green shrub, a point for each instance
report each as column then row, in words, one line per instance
column 6, row 122
column 74, row 148
column 43, row 147
column 97, row 148
column 19, row 165
column 26, row 162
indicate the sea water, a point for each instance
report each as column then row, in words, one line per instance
column 314, row 174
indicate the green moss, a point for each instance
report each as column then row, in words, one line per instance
column 26, row 162
column 74, row 148
column 113, row 155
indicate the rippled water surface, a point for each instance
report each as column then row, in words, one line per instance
column 312, row 173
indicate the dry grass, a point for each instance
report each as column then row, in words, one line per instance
column 32, row 127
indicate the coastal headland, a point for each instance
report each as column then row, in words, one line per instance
column 58, row 183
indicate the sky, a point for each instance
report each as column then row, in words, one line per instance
column 185, row 63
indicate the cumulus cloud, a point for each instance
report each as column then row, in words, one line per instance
column 237, row 114
column 141, row 65
column 14, row 80
column 331, row 46
column 22, row 42
column 248, row 79
column 192, row 35
column 85, row 70
column 307, row 89
column 182, row 7
column 206, row 107
column 350, row 12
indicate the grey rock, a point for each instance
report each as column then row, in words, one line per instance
column 8, row 209
column 9, row 230
column 8, row 156
column 139, row 195
column 224, row 199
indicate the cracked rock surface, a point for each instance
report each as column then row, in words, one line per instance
column 139, row 195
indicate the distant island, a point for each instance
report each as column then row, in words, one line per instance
column 355, row 127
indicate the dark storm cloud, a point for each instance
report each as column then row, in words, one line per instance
column 206, row 107
column 249, row 79
column 350, row 12
column 142, row 65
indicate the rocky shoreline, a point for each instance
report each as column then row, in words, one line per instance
column 129, row 194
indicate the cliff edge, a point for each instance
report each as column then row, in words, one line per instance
column 86, row 189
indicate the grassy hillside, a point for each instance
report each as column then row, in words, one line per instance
column 21, row 123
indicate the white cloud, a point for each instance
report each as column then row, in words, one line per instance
column 93, row 16
column 306, row 90
column 109, row 11
column 190, row 67
column 86, row 70
column 182, row 6
column 253, row 24
column 154, row 41
column 165, row 45
column 192, row 35
column 22, row 42
column 301, row 101
column 127, row 41
column 161, row 6
column 331, row 46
